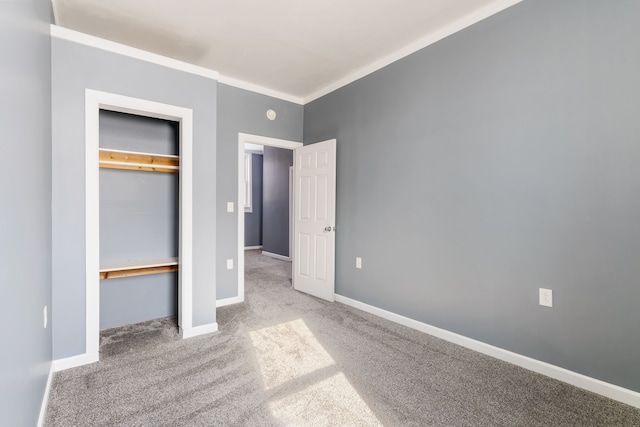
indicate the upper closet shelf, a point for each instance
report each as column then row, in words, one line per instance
column 131, row 160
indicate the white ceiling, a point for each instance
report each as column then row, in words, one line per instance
column 301, row 48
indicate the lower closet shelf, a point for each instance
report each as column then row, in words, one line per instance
column 138, row 268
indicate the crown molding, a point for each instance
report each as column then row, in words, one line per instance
column 132, row 52
column 429, row 39
column 240, row 84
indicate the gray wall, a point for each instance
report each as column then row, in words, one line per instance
column 25, row 212
column 120, row 131
column 242, row 111
column 275, row 212
column 138, row 220
column 253, row 219
column 74, row 68
column 136, row 299
column 499, row 160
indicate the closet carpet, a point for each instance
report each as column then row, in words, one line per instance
column 287, row 359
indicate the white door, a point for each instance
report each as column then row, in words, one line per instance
column 314, row 219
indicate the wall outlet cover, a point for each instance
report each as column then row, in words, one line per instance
column 546, row 297
column 229, row 206
column 358, row 262
column 229, row 264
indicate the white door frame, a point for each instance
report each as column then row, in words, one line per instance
column 244, row 138
column 94, row 102
column 291, row 193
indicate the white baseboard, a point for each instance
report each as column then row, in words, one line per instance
column 251, row 248
column 276, row 256
column 199, row 330
column 45, row 398
column 75, row 361
column 229, row 301
column 611, row 391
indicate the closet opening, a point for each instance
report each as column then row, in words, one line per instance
column 133, row 260
column 139, row 160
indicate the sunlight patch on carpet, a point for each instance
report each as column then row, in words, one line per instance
column 288, row 353
column 332, row 401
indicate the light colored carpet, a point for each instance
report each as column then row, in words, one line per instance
column 287, row 359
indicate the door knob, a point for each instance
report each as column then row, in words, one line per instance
column 329, row 228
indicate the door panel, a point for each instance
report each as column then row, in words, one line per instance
column 314, row 219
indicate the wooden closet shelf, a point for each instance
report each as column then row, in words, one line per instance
column 138, row 268
column 131, row 160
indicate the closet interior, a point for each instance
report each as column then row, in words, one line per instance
column 139, row 218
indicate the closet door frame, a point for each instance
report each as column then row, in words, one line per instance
column 94, row 102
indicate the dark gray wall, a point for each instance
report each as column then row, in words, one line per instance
column 120, row 131
column 25, row 212
column 138, row 220
column 253, row 219
column 499, row 160
column 136, row 299
column 275, row 194
column 243, row 111
column 74, row 68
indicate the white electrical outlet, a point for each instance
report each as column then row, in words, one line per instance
column 229, row 264
column 229, row 206
column 546, row 297
column 358, row 262
column 46, row 318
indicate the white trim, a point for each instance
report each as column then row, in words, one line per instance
column 132, row 52
column 185, row 220
column 291, row 205
column 240, row 84
column 209, row 328
column 253, row 148
column 45, row 397
column 228, row 301
column 611, row 391
column 252, row 248
column 94, row 101
column 248, row 182
column 245, row 138
column 276, row 256
column 92, row 222
column 75, row 361
column 429, row 39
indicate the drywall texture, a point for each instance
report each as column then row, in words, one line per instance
column 275, row 212
column 499, row 160
column 242, row 111
column 253, row 219
column 25, row 212
column 77, row 67
column 138, row 220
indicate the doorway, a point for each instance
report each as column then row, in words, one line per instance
column 244, row 139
